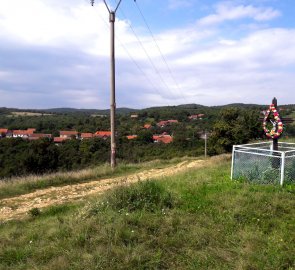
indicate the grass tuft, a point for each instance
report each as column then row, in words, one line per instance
column 35, row 212
column 149, row 196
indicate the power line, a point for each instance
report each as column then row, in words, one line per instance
column 133, row 60
column 146, row 53
column 159, row 49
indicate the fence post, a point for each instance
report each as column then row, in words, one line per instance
column 232, row 163
column 282, row 168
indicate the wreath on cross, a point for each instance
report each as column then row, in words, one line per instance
column 277, row 124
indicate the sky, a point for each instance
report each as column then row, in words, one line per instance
column 56, row 53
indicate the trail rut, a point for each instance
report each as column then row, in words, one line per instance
column 18, row 207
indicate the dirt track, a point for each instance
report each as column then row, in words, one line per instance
column 18, row 207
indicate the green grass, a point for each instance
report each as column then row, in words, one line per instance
column 289, row 140
column 195, row 220
column 23, row 185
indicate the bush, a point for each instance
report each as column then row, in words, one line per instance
column 35, row 212
column 148, row 196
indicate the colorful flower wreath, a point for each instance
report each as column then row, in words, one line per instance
column 274, row 133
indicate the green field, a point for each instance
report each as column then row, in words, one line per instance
column 195, row 220
column 28, row 114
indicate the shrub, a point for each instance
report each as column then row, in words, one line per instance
column 149, row 196
column 35, row 212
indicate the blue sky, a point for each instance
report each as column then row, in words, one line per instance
column 56, row 53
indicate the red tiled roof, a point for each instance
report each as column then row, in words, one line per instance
column 131, row 137
column 59, row 139
column 20, row 132
column 30, row 130
column 162, row 138
column 147, row 126
column 164, row 123
column 103, row 133
column 68, row 133
column 86, row 135
column 3, row 130
column 40, row 135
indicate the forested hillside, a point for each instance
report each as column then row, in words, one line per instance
column 226, row 125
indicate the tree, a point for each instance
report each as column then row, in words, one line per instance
column 236, row 126
column 145, row 136
column 42, row 156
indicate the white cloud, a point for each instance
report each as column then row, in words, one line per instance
column 71, row 68
column 4, row 75
column 225, row 11
column 55, row 24
column 276, row 47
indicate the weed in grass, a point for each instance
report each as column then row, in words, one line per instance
column 58, row 210
column 149, row 196
column 13, row 256
column 35, row 212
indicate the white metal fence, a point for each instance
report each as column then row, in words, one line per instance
column 259, row 163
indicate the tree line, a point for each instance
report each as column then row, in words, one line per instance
column 227, row 126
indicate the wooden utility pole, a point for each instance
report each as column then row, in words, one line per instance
column 112, row 18
column 205, row 144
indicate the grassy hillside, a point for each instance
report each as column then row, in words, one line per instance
column 195, row 220
column 14, row 186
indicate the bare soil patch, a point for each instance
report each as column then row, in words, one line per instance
column 18, row 207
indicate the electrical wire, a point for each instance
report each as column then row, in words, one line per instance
column 147, row 54
column 133, row 60
column 159, row 49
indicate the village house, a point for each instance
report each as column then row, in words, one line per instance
column 131, row 137
column 163, row 138
column 69, row 134
column 134, row 116
column 3, row 132
column 147, row 126
column 31, row 130
column 196, row 116
column 85, row 136
column 58, row 140
column 193, row 117
column 23, row 133
column 20, row 134
column 37, row 136
column 166, row 123
column 103, row 134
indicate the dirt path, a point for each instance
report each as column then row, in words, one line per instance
column 17, row 207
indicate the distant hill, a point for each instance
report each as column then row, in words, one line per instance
column 89, row 111
column 192, row 107
column 5, row 110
